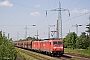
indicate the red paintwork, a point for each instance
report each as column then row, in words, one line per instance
column 45, row 46
column 35, row 45
column 49, row 47
column 57, row 47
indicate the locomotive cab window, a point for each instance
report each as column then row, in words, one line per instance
column 50, row 43
column 57, row 43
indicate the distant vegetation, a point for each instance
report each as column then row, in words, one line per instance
column 7, row 50
column 28, row 38
column 85, row 52
column 78, row 42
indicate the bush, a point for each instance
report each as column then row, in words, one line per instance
column 89, row 48
column 7, row 50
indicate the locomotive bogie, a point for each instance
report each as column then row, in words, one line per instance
column 50, row 47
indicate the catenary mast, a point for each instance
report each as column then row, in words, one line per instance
column 59, row 27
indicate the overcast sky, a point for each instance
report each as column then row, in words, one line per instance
column 15, row 15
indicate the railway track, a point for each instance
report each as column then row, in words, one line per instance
column 39, row 56
column 73, row 56
column 78, row 56
column 66, row 56
column 36, row 56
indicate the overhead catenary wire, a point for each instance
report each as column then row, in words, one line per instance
column 72, row 27
column 50, row 10
column 52, row 14
column 75, row 4
column 16, row 25
column 33, row 7
column 76, row 17
column 49, row 4
column 78, row 3
column 28, row 6
column 70, row 4
column 46, row 10
column 38, row 9
column 47, row 13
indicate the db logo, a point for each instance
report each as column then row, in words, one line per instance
column 34, row 45
column 44, row 45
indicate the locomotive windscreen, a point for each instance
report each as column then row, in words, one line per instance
column 57, row 43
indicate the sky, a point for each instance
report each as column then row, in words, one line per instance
column 15, row 15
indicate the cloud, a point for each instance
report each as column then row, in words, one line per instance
column 84, row 11
column 6, row 3
column 12, row 16
column 36, row 6
column 76, row 11
column 35, row 14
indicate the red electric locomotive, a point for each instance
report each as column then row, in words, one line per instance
column 52, row 47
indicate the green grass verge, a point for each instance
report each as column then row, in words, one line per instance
column 23, row 55
column 78, row 51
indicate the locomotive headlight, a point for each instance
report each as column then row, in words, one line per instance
column 61, row 47
column 54, row 47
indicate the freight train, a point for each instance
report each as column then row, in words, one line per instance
column 48, row 46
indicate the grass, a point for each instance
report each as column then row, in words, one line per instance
column 24, row 56
column 78, row 51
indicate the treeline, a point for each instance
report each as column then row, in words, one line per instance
column 7, row 49
column 28, row 38
column 80, row 42
column 74, row 41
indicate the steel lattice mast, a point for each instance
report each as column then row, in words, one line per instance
column 59, row 28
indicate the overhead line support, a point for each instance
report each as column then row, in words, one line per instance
column 59, row 28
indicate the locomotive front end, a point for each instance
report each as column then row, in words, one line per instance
column 58, row 47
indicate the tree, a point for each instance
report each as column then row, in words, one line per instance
column 82, row 41
column 73, row 39
column 7, row 50
column 31, row 38
column 83, row 35
column 65, row 42
column 1, row 37
column 79, row 42
column 70, row 40
column 85, row 40
column 28, row 38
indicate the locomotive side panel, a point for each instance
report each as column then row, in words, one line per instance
column 35, row 45
column 45, row 46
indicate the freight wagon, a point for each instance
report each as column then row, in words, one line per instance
column 51, row 47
